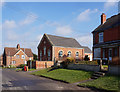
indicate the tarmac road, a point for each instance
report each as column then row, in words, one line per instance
column 12, row 80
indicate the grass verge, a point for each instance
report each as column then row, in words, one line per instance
column 20, row 69
column 108, row 82
column 66, row 75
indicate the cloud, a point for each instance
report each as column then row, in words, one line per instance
column 85, row 40
column 109, row 4
column 85, row 15
column 29, row 19
column 63, row 30
column 56, row 24
column 9, row 24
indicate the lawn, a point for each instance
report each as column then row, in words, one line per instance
column 108, row 82
column 66, row 75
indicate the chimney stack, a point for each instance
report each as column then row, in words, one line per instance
column 18, row 46
column 103, row 18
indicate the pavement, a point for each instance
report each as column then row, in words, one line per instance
column 12, row 80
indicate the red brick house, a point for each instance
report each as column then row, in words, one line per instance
column 55, row 47
column 16, row 56
column 106, row 39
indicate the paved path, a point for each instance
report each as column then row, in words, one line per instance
column 12, row 80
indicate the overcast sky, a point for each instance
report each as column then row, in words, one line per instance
column 26, row 22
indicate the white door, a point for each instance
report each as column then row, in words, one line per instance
column 110, row 54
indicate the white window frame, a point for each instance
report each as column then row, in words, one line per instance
column 77, row 55
column 100, row 37
column 23, row 56
column 17, row 56
column 13, row 62
column 69, row 55
column 60, row 55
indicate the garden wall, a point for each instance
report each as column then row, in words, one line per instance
column 112, row 69
column 44, row 64
column 94, row 68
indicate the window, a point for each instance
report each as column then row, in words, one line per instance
column 101, row 37
column 48, row 53
column 40, row 53
column 60, row 53
column 97, row 52
column 77, row 54
column 17, row 56
column 115, row 52
column 69, row 53
column 23, row 56
column 103, row 53
column 110, row 52
column 13, row 62
column 44, row 50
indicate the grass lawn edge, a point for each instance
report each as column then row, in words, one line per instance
column 95, row 88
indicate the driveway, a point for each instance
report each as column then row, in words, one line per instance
column 12, row 80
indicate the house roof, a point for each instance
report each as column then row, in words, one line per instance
column 63, row 41
column 12, row 51
column 110, row 22
column 87, row 49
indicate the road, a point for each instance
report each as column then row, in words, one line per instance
column 12, row 80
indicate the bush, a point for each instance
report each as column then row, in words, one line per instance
column 67, row 62
column 12, row 66
column 22, row 65
column 86, row 58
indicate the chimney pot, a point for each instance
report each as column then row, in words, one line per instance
column 18, row 46
column 103, row 18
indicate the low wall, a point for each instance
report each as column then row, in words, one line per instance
column 112, row 69
column 94, row 68
column 44, row 64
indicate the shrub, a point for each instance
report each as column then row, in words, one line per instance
column 12, row 66
column 86, row 58
column 67, row 62
column 22, row 65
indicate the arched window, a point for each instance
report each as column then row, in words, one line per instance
column 48, row 53
column 44, row 50
column 40, row 53
column 69, row 53
column 60, row 53
column 77, row 54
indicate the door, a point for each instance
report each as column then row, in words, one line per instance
column 110, row 54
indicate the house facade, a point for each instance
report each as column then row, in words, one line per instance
column 16, row 56
column 53, row 48
column 106, row 39
column 1, row 60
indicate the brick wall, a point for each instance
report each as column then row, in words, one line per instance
column 65, row 52
column 43, row 64
column 110, row 34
